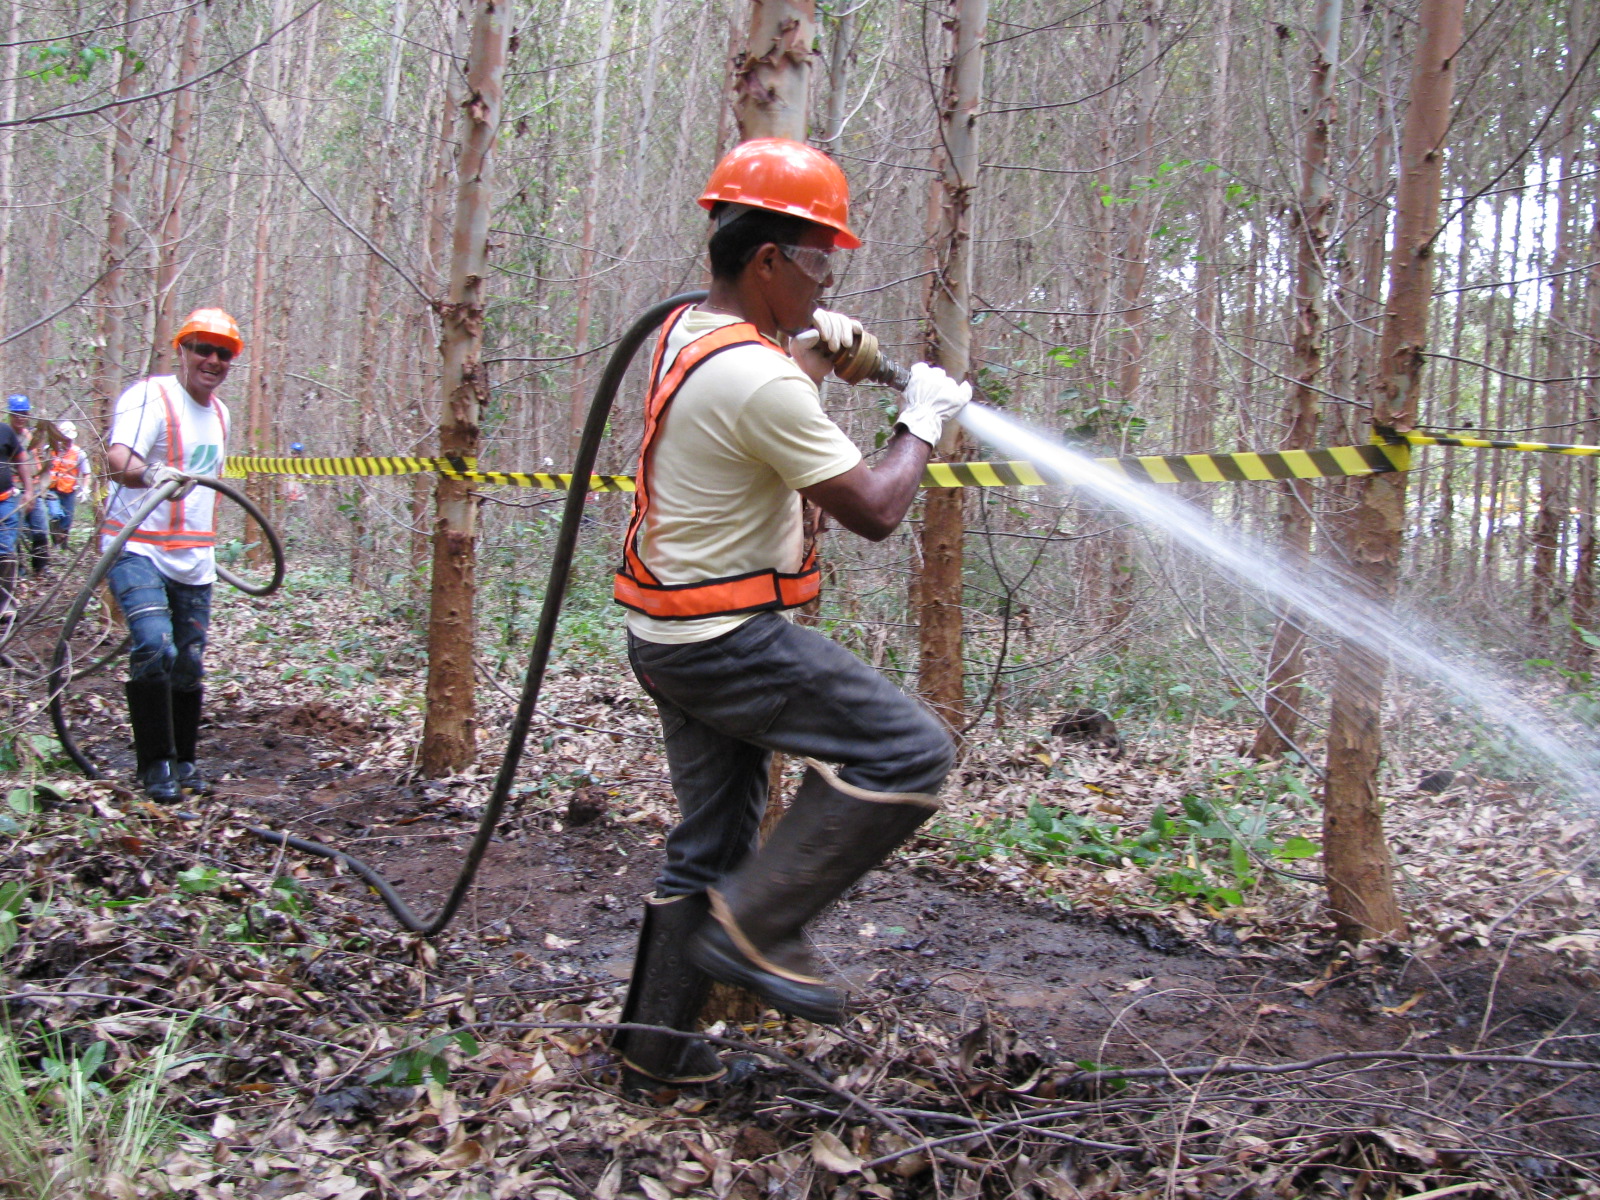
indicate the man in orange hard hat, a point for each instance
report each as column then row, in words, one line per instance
column 735, row 441
column 165, row 427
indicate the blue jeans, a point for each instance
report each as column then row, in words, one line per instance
column 8, row 525
column 35, row 522
column 167, row 620
column 60, row 506
column 726, row 704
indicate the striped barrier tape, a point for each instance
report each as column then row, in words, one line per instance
column 1170, row 468
column 1429, row 439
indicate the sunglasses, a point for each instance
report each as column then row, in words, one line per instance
column 206, row 350
column 815, row 264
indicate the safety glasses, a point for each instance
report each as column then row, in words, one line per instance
column 206, row 350
column 816, row 265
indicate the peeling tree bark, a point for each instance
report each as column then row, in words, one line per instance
column 177, row 180
column 772, row 78
column 119, row 218
column 449, row 736
column 941, row 676
column 1356, row 859
column 1286, row 660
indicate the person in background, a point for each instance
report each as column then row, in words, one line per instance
column 16, row 482
column 69, row 478
column 31, row 513
column 163, row 428
column 294, row 490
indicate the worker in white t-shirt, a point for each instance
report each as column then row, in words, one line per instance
column 719, row 546
column 162, row 580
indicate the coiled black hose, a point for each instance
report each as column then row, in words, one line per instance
column 539, row 658
column 60, row 663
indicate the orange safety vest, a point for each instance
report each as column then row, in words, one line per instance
column 64, row 469
column 636, row 586
column 173, row 536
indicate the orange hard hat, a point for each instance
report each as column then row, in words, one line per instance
column 211, row 325
column 784, row 176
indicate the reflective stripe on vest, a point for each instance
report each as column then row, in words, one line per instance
column 636, row 586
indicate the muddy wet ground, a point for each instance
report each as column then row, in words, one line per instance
column 555, row 914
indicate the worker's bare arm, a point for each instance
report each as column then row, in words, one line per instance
column 873, row 500
column 124, row 466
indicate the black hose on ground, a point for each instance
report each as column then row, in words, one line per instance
column 538, row 660
column 60, row 673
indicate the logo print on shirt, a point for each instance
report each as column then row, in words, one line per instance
column 204, row 459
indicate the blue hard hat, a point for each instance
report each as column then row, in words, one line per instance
column 18, row 403
column 296, row 448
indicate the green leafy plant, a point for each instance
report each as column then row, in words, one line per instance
column 66, row 1130
column 409, row 1067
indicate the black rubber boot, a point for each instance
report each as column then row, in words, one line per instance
column 39, row 554
column 8, row 584
column 666, row 989
column 832, row 835
column 150, row 711
column 185, row 734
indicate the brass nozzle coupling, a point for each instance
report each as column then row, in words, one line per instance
column 863, row 362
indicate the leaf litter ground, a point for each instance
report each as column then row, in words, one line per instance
column 1032, row 1023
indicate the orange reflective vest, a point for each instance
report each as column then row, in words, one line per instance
column 636, row 586
column 65, row 468
column 173, row 535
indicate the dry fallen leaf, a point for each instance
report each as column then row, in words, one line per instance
column 831, row 1154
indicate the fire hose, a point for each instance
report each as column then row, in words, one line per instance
column 861, row 362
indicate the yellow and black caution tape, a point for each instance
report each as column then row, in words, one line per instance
column 239, row 468
column 1430, row 439
column 1154, row 468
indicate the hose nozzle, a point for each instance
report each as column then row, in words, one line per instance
column 863, row 362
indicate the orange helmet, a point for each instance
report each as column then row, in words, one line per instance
column 212, row 325
column 783, row 176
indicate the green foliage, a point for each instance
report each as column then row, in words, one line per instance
column 69, row 1127
column 427, row 1060
column 199, row 880
column 1582, row 696
column 75, row 64
column 1208, row 851
column 13, row 894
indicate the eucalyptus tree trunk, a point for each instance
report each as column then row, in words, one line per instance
column 772, row 79
column 844, row 36
column 1198, row 413
column 1557, row 393
column 1356, row 859
column 941, row 677
column 170, row 237
column 577, row 392
column 1133, row 316
column 436, row 229
column 1580, row 654
column 1286, row 660
column 372, row 301
column 8, row 150
column 119, row 219
column 449, row 736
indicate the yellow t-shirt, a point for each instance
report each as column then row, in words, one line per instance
column 743, row 435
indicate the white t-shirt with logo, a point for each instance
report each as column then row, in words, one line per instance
column 159, row 421
column 744, row 434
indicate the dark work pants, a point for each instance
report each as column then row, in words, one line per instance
column 728, row 703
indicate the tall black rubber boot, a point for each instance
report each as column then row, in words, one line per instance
column 150, row 712
column 185, row 735
column 8, row 584
column 832, row 835
column 39, row 553
column 666, row 989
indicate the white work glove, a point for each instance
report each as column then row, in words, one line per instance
column 159, row 473
column 814, row 348
column 931, row 399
